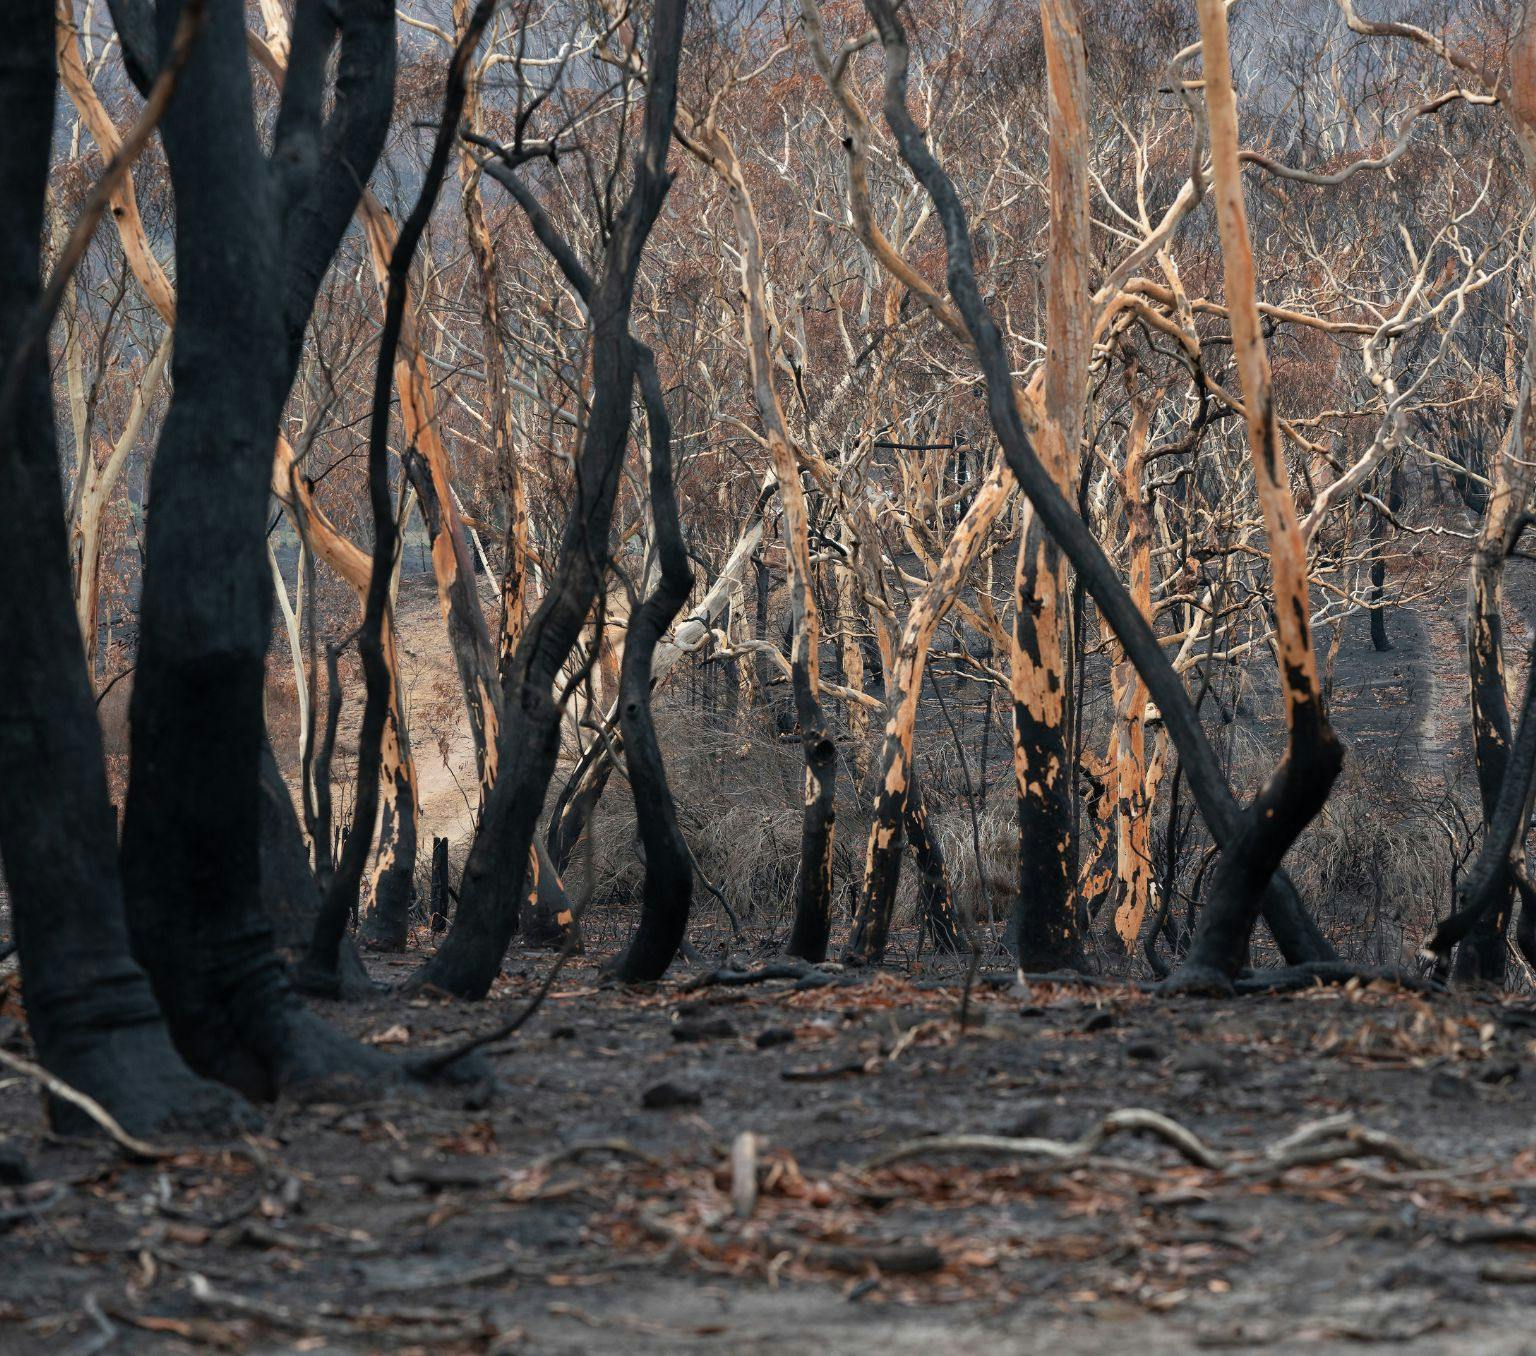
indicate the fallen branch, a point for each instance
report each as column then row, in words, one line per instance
column 1059, row 1153
column 430, row 1063
column 65, row 1093
column 1323, row 1141
column 810, row 976
column 436, row 1325
column 904, row 1258
column 1315, row 973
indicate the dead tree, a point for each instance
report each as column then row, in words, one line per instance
column 1293, row 929
column 1044, row 927
column 254, row 236
column 1504, row 759
column 1297, row 788
column 492, row 884
column 90, row 1009
column 668, row 888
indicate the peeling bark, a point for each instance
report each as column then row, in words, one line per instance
column 1299, row 785
column 1045, row 929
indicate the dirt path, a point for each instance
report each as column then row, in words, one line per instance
column 432, row 1225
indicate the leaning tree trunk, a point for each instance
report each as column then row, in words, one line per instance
column 1294, row 931
column 90, row 1011
column 426, row 463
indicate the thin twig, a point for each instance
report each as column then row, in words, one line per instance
column 35, row 330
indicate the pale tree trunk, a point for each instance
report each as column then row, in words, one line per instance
column 1297, row 788
column 97, row 482
column 1045, row 929
column 514, row 569
column 94, row 489
column 1133, row 787
column 813, row 903
column 853, row 653
column 394, row 861
column 1297, row 935
column 146, row 268
column 896, row 796
column 904, row 681
column 547, row 912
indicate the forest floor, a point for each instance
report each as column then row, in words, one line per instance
column 585, row 1202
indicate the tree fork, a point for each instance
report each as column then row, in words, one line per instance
column 1294, row 931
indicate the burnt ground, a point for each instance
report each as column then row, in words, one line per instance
column 555, row 1212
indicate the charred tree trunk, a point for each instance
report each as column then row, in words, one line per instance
column 438, row 918
column 190, row 847
column 1043, row 930
column 493, row 879
column 90, row 1010
column 935, row 903
column 253, row 239
column 668, row 888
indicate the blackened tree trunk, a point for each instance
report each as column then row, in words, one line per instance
column 190, row 834
column 668, row 888
column 494, row 874
column 438, row 917
column 91, row 1013
column 578, row 799
column 1481, row 956
column 935, row 904
column 1043, row 930
column 253, row 238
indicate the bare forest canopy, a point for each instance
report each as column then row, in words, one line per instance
column 982, row 489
